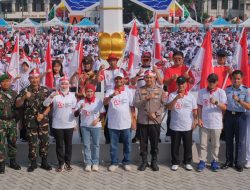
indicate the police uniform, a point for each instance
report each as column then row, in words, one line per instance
column 149, row 129
column 235, row 126
column 8, row 126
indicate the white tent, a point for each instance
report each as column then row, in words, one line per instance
column 27, row 23
column 189, row 22
column 162, row 23
column 130, row 24
column 246, row 23
column 55, row 22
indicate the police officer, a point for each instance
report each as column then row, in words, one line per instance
column 235, row 121
column 149, row 99
column 36, row 119
column 7, row 123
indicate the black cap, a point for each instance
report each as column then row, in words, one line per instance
column 212, row 77
column 181, row 80
column 221, row 53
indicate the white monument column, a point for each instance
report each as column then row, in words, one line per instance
column 13, row 6
column 29, row 6
column 111, row 16
column 46, row 5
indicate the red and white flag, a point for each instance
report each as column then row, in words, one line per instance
column 76, row 60
column 242, row 57
column 13, row 68
column 203, row 61
column 133, row 50
column 49, row 78
column 157, row 42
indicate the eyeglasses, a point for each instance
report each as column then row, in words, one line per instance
column 212, row 81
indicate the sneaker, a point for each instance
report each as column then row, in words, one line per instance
column 127, row 167
column 67, row 167
column 174, row 167
column 88, row 168
column 247, row 165
column 60, row 168
column 95, row 168
column 201, row 166
column 188, row 167
column 112, row 168
column 215, row 166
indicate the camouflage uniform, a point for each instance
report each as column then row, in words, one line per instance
column 8, row 124
column 36, row 130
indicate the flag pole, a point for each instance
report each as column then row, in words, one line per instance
column 18, row 64
column 78, row 60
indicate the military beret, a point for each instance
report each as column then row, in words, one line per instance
column 4, row 77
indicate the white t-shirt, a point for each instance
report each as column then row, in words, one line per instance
column 211, row 114
column 90, row 112
column 182, row 113
column 63, row 111
column 119, row 117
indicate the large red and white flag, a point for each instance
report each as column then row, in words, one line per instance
column 76, row 60
column 13, row 68
column 49, row 79
column 203, row 61
column 241, row 57
column 133, row 50
column 156, row 42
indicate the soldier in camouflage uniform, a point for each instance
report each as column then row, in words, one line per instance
column 36, row 119
column 7, row 123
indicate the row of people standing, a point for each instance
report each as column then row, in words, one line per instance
column 149, row 99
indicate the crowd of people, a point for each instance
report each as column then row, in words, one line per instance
column 130, row 102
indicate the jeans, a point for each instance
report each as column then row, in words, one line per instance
column 91, row 135
column 114, row 143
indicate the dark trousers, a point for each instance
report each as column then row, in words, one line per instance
column 63, row 136
column 235, row 128
column 186, row 137
column 151, row 132
column 106, row 130
column 168, row 124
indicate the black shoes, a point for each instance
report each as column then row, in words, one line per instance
column 227, row 165
column 143, row 166
column 14, row 165
column 45, row 165
column 239, row 168
column 154, row 166
column 2, row 167
column 32, row 166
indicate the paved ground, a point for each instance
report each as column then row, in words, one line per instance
column 164, row 179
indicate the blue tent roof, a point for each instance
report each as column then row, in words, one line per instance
column 3, row 23
column 86, row 23
column 221, row 22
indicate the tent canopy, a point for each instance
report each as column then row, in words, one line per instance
column 189, row 22
column 27, row 23
column 55, row 22
column 221, row 23
column 3, row 23
column 86, row 23
column 246, row 23
column 162, row 23
column 130, row 24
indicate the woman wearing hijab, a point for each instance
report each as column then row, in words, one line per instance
column 92, row 111
column 63, row 103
